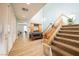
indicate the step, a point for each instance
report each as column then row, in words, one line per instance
column 68, row 48
column 59, row 52
column 69, row 36
column 70, row 31
column 69, row 28
column 70, row 25
column 67, row 41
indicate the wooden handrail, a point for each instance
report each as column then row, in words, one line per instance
column 53, row 29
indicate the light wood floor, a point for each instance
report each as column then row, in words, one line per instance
column 26, row 47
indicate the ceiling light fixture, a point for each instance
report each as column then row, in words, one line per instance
column 28, row 3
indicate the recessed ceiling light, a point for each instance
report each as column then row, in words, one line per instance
column 27, row 3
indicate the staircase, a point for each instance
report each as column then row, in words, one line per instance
column 66, row 41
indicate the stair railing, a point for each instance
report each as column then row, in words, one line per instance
column 47, row 27
column 51, row 34
column 51, row 26
column 52, row 29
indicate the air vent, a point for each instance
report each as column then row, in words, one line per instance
column 24, row 9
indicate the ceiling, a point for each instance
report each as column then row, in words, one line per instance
column 25, row 11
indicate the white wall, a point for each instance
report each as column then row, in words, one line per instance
column 52, row 10
column 7, row 20
column 12, row 26
column 38, row 18
column 4, row 21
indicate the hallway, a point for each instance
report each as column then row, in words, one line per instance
column 55, row 28
column 27, row 48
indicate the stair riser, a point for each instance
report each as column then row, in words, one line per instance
column 71, row 25
column 55, row 53
column 69, row 28
column 68, row 46
column 77, row 33
column 67, row 42
column 69, row 37
column 66, row 49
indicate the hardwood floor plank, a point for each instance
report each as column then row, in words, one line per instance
column 27, row 47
